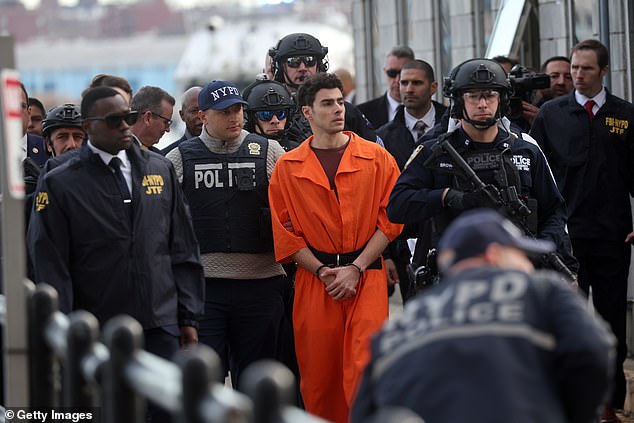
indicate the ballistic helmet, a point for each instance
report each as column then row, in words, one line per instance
column 298, row 44
column 477, row 74
column 266, row 95
column 65, row 116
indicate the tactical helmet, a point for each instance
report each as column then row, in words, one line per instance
column 263, row 95
column 267, row 95
column 474, row 74
column 66, row 116
column 298, row 44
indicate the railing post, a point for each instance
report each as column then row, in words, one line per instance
column 201, row 367
column 82, row 333
column 43, row 372
column 123, row 336
column 270, row 385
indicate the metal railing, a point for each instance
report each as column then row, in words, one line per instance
column 70, row 367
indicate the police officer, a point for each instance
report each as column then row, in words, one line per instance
column 495, row 341
column 62, row 130
column 225, row 175
column 432, row 186
column 296, row 58
column 269, row 111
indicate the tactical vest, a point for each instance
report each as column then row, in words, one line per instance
column 228, row 196
column 493, row 165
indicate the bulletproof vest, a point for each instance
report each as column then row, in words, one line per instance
column 228, row 196
column 494, row 165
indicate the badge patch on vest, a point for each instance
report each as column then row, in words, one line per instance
column 254, row 148
column 483, row 161
column 153, row 184
column 41, row 201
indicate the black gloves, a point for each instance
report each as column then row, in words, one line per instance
column 460, row 200
column 31, row 174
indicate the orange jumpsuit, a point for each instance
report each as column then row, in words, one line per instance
column 332, row 337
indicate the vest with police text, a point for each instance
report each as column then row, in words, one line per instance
column 228, row 196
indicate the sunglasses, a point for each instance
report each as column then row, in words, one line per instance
column 167, row 121
column 392, row 73
column 268, row 115
column 114, row 121
column 294, row 62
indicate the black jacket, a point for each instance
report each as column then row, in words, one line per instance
column 375, row 110
column 418, row 191
column 491, row 345
column 593, row 163
column 398, row 139
column 84, row 245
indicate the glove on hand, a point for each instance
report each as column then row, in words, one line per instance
column 460, row 200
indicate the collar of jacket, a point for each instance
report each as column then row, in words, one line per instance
column 357, row 149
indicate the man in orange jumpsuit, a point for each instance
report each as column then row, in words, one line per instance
column 328, row 202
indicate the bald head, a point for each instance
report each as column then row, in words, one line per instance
column 189, row 111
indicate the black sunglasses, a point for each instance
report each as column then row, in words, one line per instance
column 268, row 115
column 294, row 62
column 114, row 121
column 392, row 73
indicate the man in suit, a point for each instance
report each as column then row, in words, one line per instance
column 155, row 107
column 189, row 115
column 32, row 144
column 382, row 109
column 418, row 114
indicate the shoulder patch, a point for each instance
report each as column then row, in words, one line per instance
column 415, row 153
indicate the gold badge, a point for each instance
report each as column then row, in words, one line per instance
column 41, row 201
column 153, row 184
column 254, row 148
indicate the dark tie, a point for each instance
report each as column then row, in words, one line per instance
column 419, row 129
column 115, row 164
column 589, row 105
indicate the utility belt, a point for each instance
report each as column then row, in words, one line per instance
column 341, row 259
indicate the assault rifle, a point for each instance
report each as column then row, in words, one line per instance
column 505, row 200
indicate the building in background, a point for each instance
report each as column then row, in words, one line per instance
column 447, row 32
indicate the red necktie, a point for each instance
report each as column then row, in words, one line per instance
column 589, row 105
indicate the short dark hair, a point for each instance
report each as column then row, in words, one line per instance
column 26, row 95
column 422, row 65
column 554, row 59
column 308, row 91
column 32, row 101
column 505, row 59
column 603, row 57
column 106, row 80
column 149, row 98
column 402, row 52
column 92, row 95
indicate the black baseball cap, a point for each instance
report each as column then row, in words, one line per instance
column 472, row 232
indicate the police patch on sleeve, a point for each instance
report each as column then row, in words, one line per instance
column 41, row 201
column 414, row 154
